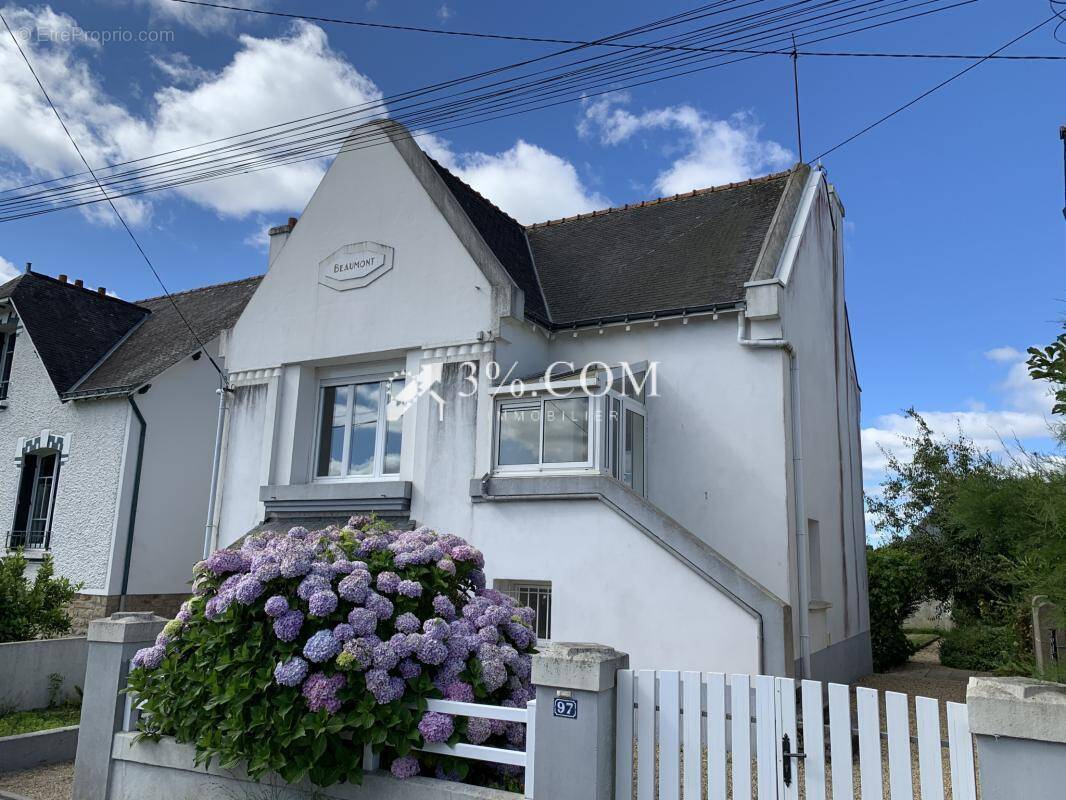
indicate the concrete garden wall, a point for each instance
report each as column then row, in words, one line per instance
column 28, row 750
column 164, row 770
column 25, row 668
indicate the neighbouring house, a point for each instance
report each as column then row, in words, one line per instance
column 109, row 413
column 678, row 472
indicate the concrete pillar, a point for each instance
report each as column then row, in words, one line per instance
column 1020, row 727
column 112, row 643
column 575, row 731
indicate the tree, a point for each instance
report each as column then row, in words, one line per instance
column 32, row 610
column 1049, row 364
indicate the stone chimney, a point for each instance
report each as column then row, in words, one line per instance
column 278, row 237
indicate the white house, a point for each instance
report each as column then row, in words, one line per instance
column 706, row 515
column 108, row 414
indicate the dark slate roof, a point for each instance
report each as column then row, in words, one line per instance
column 504, row 236
column 119, row 345
column 689, row 251
column 72, row 328
column 164, row 339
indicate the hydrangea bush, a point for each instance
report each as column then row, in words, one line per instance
column 300, row 648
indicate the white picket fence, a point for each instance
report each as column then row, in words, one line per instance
column 678, row 718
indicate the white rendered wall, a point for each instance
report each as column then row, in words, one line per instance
column 181, row 409
column 85, row 515
column 613, row 585
column 715, row 434
column 814, row 321
column 434, row 294
column 241, row 470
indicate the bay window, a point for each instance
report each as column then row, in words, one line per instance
column 596, row 428
column 356, row 437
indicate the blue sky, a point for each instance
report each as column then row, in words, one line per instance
column 954, row 225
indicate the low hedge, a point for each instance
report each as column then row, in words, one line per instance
column 978, row 647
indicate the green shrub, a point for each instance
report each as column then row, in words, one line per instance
column 977, row 647
column 36, row 610
column 895, row 579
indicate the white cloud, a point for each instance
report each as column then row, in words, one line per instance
column 178, row 67
column 259, row 239
column 713, row 151
column 444, row 13
column 528, row 182
column 1026, row 415
column 268, row 81
column 201, row 19
column 7, row 270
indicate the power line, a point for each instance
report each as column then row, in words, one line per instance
column 114, row 208
column 535, row 94
column 553, row 40
column 928, row 92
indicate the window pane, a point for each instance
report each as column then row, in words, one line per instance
column 5, row 369
column 566, row 430
column 539, row 598
column 633, row 470
column 361, row 449
column 393, row 434
column 519, row 436
column 366, row 398
column 331, row 436
column 615, row 438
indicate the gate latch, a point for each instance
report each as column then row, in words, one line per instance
column 786, row 759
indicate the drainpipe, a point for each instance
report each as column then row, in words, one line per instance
column 133, row 503
column 798, row 490
column 216, row 465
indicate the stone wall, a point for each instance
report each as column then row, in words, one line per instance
column 84, row 608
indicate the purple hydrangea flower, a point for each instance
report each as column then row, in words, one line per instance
column 409, row 669
column 407, row 623
column 248, row 590
column 185, row 612
column 489, row 634
column 297, row 533
column 436, row 727
column 321, row 647
column 477, row 730
column 444, row 606
column 276, row 606
column 459, row 691
column 342, row 566
column 410, row 589
column 477, row 577
column 287, row 626
column 516, row 734
column 343, row 632
column 435, row 628
column 223, row 561
column 322, row 603
column 266, row 568
column 291, row 672
column 493, row 674
column 310, row 585
column 380, row 605
column 363, row 621
column 385, row 656
column 465, row 552
column 150, row 657
column 404, row 768
column 385, row 688
column 358, row 654
column 446, row 565
column 321, row 692
column 432, row 651
column 388, row 582
column 162, row 640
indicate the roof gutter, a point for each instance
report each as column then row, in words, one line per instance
column 128, row 558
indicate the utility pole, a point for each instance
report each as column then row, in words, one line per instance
column 1062, row 135
column 796, row 92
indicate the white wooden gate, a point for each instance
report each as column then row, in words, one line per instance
column 697, row 735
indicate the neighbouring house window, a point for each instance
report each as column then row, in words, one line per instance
column 356, row 439
column 7, row 352
column 535, row 594
column 32, row 527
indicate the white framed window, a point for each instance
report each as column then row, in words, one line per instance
column 535, row 594
column 544, row 432
column 355, row 438
column 35, row 502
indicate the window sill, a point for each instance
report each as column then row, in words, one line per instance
column 34, row 554
column 339, row 496
column 819, row 605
